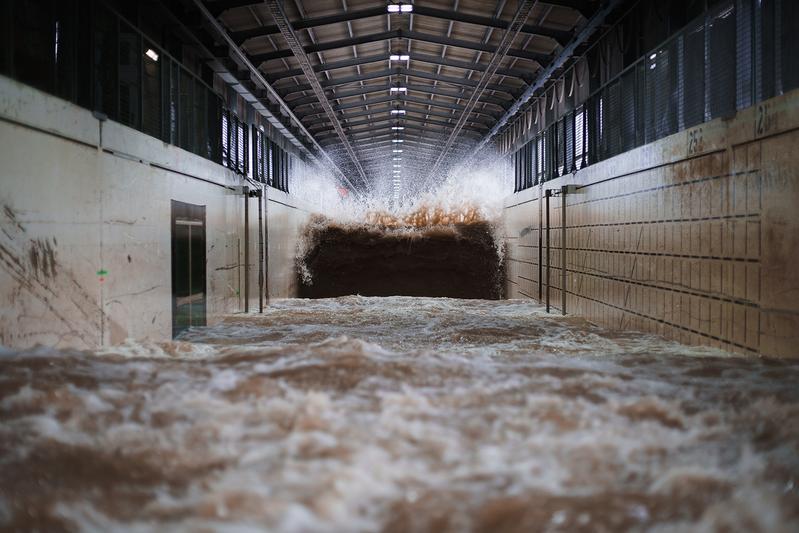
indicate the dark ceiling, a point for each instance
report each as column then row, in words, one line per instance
column 449, row 45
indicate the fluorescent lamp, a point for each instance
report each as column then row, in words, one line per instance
column 397, row 140
column 653, row 56
column 397, row 127
column 397, row 166
column 400, row 8
column 152, row 54
column 399, row 57
column 397, row 151
column 397, row 111
column 398, row 90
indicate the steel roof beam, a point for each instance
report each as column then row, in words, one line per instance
column 428, row 147
column 240, row 37
column 539, row 58
column 524, row 75
column 372, row 144
column 274, row 77
column 308, row 23
column 399, row 71
column 382, row 150
column 355, row 133
column 276, row 9
column 560, row 36
column 279, row 107
column 583, row 7
column 544, row 76
column 502, row 103
column 329, row 45
column 434, row 141
column 411, row 111
column 405, row 119
column 413, row 99
column 497, row 56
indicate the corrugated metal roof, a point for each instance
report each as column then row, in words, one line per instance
column 449, row 43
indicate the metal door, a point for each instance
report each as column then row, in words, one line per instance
column 188, row 266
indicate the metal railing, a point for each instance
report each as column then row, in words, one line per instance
column 86, row 52
column 733, row 56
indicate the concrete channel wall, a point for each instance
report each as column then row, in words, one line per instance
column 694, row 237
column 85, row 214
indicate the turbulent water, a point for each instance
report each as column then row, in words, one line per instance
column 399, row 414
column 457, row 259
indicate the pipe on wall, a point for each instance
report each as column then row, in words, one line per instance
column 246, row 249
column 265, row 200
column 547, row 195
column 261, row 273
column 540, row 244
column 563, row 249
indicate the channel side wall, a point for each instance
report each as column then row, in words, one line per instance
column 694, row 237
column 85, row 220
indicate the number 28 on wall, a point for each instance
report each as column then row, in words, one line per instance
column 764, row 121
column 696, row 142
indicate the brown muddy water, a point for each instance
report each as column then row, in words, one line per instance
column 459, row 260
column 399, row 414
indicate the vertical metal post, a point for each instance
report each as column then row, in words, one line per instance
column 191, row 285
column 547, row 194
column 261, row 249
column 540, row 244
column 563, row 250
column 246, row 249
column 265, row 200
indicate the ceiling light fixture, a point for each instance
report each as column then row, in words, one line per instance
column 398, row 90
column 399, row 57
column 397, row 127
column 400, row 8
column 152, row 54
column 397, row 111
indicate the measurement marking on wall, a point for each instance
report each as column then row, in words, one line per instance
column 764, row 120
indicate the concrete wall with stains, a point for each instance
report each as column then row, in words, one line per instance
column 694, row 237
column 79, row 197
column 284, row 218
column 287, row 218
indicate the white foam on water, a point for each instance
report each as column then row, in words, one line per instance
column 396, row 414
